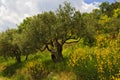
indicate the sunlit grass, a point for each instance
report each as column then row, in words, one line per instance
column 99, row 62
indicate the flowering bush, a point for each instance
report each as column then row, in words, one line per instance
column 37, row 69
column 101, row 62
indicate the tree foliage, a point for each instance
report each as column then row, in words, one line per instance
column 51, row 30
column 7, row 45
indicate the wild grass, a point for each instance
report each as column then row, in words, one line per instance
column 99, row 62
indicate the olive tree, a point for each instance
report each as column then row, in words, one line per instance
column 51, row 30
column 7, row 46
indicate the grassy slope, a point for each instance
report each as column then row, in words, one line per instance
column 9, row 70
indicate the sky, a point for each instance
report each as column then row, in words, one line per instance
column 12, row 12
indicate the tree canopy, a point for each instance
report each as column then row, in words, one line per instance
column 51, row 30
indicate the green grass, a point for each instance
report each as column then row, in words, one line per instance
column 11, row 70
column 45, row 69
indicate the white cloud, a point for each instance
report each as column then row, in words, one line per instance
column 118, row 0
column 84, row 7
column 12, row 12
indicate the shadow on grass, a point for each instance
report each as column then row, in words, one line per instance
column 10, row 70
column 57, row 67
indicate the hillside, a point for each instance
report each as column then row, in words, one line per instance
column 63, row 45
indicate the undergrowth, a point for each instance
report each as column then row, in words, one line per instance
column 99, row 62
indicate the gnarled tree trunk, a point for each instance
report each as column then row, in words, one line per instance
column 57, row 56
column 56, row 52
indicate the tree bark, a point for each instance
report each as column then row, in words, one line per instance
column 17, row 53
column 59, row 51
column 26, row 58
column 56, row 54
column 18, row 58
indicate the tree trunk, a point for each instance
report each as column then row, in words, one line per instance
column 17, row 53
column 56, row 50
column 18, row 58
column 26, row 57
column 59, row 51
column 56, row 55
